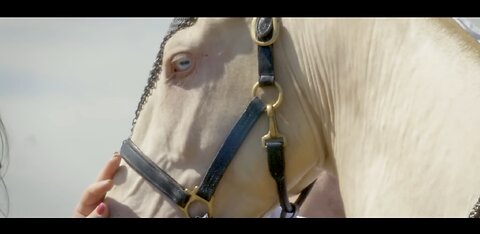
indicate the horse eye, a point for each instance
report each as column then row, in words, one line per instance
column 181, row 63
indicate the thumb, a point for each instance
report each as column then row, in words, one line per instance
column 101, row 211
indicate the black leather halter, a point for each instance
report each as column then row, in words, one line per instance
column 264, row 33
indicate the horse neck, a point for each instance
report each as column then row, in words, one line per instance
column 401, row 98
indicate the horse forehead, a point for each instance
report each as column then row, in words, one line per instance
column 205, row 23
column 216, row 35
column 214, row 27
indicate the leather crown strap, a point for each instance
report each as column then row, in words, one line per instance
column 265, row 35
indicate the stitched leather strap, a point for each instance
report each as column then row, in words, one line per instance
column 229, row 148
column 276, row 165
column 264, row 33
column 145, row 167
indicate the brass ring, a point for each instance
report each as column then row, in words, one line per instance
column 276, row 32
column 280, row 94
column 194, row 197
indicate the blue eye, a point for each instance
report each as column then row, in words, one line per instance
column 181, row 63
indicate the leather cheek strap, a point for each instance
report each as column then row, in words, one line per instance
column 230, row 147
column 265, row 53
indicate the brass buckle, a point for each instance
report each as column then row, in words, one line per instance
column 195, row 198
column 276, row 32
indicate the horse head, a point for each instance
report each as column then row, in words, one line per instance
column 201, row 84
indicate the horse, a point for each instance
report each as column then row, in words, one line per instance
column 387, row 106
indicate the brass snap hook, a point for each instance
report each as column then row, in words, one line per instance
column 273, row 132
column 272, row 120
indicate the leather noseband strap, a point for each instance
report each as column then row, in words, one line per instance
column 173, row 190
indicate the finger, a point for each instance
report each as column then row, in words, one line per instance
column 93, row 195
column 109, row 170
column 101, row 211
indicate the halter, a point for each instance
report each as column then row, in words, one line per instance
column 264, row 32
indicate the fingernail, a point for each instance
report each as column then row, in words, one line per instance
column 116, row 154
column 105, row 182
column 100, row 208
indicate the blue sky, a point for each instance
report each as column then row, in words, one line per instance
column 44, row 56
column 68, row 92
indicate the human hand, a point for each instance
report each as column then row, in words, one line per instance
column 91, row 204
